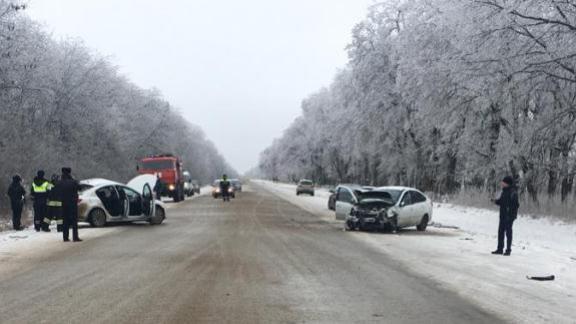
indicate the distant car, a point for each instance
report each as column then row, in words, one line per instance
column 196, row 186
column 388, row 208
column 216, row 190
column 305, row 187
column 237, row 185
column 103, row 201
column 188, row 187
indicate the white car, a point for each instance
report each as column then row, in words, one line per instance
column 386, row 208
column 103, row 201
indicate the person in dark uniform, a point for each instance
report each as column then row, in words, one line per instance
column 55, row 203
column 159, row 187
column 17, row 194
column 225, row 188
column 509, row 205
column 39, row 193
column 68, row 189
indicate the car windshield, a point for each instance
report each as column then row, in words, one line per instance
column 157, row 164
column 305, row 183
column 389, row 194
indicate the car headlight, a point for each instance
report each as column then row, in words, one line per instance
column 171, row 187
column 230, row 190
column 217, row 190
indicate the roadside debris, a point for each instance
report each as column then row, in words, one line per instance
column 544, row 278
column 440, row 225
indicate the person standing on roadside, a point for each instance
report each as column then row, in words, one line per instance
column 55, row 203
column 509, row 205
column 68, row 189
column 39, row 193
column 17, row 195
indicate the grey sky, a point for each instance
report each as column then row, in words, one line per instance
column 238, row 69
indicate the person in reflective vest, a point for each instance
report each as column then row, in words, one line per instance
column 54, row 204
column 39, row 193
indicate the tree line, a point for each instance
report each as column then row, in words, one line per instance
column 62, row 104
column 446, row 96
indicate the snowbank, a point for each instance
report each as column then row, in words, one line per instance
column 455, row 252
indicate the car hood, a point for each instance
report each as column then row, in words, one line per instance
column 140, row 181
column 371, row 203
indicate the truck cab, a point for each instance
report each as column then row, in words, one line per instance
column 168, row 169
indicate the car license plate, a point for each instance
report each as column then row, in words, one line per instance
column 370, row 220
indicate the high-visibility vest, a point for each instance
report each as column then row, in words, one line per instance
column 43, row 188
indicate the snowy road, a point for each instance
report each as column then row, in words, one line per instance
column 259, row 259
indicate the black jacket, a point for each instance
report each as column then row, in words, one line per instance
column 68, row 190
column 16, row 193
column 508, row 203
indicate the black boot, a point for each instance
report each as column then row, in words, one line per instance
column 497, row 252
column 508, row 252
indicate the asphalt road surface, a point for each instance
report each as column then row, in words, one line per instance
column 258, row 259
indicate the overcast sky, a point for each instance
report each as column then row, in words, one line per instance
column 238, row 69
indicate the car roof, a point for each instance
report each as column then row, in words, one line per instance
column 395, row 188
column 99, row 182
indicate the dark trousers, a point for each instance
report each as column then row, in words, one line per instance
column 17, row 215
column 40, row 212
column 505, row 229
column 70, row 215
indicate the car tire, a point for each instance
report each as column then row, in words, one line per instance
column 297, row 193
column 423, row 224
column 97, row 218
column 159, row 216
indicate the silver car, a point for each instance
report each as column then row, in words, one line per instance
column 103, row 201
column 305, row 187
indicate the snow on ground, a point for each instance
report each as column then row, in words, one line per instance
column 455, row 253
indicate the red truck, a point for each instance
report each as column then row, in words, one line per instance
column 169, row 168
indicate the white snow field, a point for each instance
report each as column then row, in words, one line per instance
column 455, row 253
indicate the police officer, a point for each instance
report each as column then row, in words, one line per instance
column 68, row 189
column 224, row 188
column 39, row 193
column 509, row 205
column 17, row 194
column 55, row 203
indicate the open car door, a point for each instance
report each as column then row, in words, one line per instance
column 148, row 203
column 144, row 184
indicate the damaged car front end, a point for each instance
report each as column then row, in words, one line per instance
column 374, row 212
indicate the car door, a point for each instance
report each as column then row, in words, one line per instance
column 134, row 202
column 148, row 202
column 112, row 202
column 406, row 210
column 345, row 201
column 421, row 206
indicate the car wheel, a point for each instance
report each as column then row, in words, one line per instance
column 423, row 224
column 158, row 217
column 97, row 218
